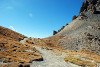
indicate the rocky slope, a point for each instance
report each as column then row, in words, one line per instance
column 84, row 30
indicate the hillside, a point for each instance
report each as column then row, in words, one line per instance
column 12, row 51
column 11, row 34
column 84, row 30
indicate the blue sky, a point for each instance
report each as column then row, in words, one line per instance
column 37, row 18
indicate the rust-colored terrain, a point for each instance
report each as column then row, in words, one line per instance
column 11, row 50
column 48, row 43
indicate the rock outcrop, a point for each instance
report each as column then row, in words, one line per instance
column 74, row 17
column 90, row 6
column 54, row 32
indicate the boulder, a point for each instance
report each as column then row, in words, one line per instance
column 74, row 17
column 54, row 32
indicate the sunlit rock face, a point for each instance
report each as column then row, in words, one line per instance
column 84, row 30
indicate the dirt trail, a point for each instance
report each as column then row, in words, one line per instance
column 51, row 59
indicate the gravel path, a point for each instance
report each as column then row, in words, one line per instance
column 51, row 60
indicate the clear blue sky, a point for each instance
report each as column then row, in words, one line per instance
column 37, row 18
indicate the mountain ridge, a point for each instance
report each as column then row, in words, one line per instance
column 84, row 28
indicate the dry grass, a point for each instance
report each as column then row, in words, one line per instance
column 11, row 34
column 79, row 62
column 86, row 54
column 14, row 51
column 52, row 41
column 11, row 50
column 47, row 43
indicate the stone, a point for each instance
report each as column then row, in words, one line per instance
column 74, row 17
column 54, row 32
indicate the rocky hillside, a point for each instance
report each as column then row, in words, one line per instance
column 84, row 30
column 13, row 53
